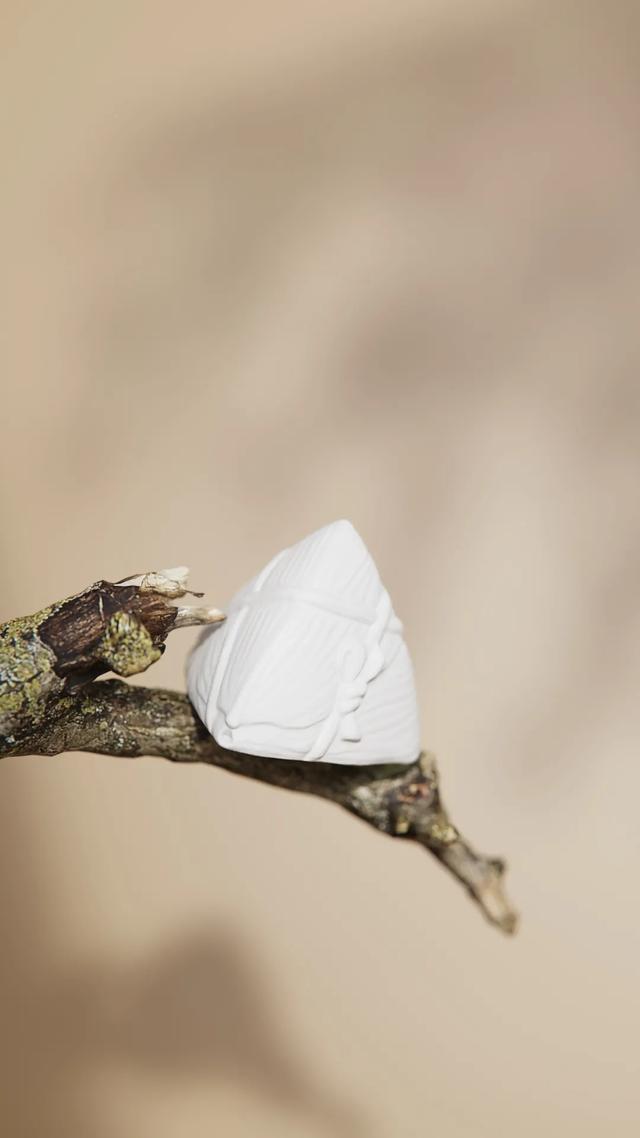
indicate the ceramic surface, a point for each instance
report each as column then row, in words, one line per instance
column 311, row 662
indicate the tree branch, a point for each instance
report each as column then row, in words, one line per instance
column 65, row 710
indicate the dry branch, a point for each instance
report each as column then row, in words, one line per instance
column 50, row 703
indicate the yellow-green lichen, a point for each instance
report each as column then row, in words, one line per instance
column 127, row 646
column 27, row 676
column 441, row 831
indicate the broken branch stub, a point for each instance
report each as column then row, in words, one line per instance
column 116, row 627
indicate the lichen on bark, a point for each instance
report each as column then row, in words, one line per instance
column 27, row 673
column 127, row 646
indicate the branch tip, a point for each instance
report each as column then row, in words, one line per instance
column 191, row 616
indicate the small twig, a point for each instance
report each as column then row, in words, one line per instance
column 188, row 617
column 122, row 627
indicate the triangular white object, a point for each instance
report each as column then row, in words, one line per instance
column 310, row 663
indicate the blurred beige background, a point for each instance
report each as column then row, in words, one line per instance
column 266, row 265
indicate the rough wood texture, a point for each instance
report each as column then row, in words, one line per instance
column 49, row 703
column 109, row 627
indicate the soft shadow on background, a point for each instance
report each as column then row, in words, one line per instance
column 262, row 269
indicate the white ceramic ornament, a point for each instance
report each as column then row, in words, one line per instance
column 310, row 663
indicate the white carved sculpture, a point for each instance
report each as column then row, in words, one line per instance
column 311, row 662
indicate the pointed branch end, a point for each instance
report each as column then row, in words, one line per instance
column 192, row 616
column 483, row 878
column 493, row 901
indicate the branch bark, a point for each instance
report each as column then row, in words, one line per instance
column 51, row 703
